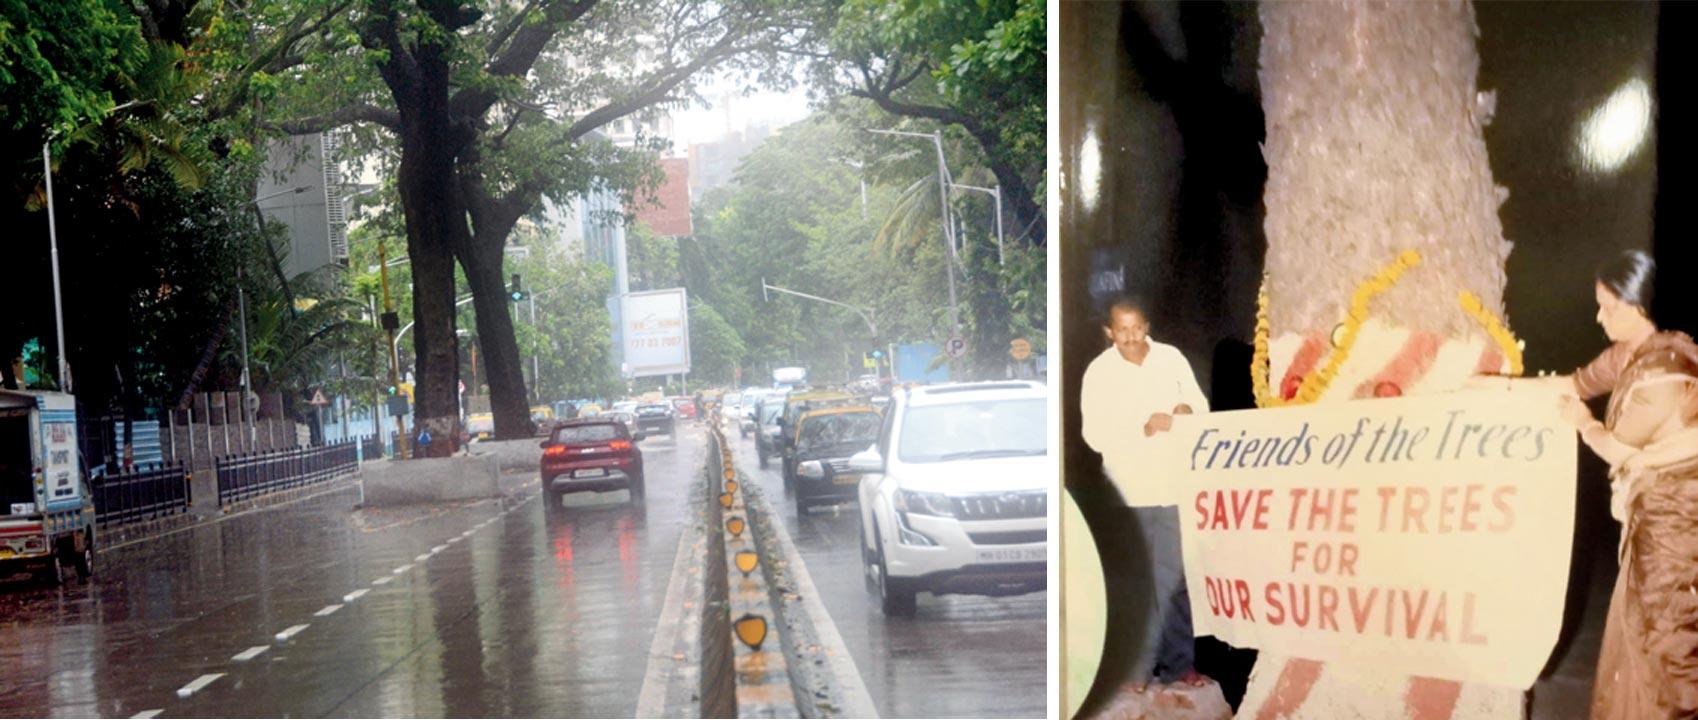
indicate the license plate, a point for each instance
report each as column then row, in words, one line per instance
column 590, row 472
column 1021, row 555
column 846, row 479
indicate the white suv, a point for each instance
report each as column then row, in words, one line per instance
column 954, row 495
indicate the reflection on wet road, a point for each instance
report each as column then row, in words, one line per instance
column 319, row 609
column 960, row 656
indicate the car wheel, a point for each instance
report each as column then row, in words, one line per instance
column 896, row 599
column 763, row 461
column 801, row 505
column 638, row 491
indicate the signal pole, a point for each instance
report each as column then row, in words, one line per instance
column 390, row 321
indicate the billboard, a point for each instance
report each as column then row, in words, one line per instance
column 656, row 332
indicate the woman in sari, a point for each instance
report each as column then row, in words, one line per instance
column 1648, row 666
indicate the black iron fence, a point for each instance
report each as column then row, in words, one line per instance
column 371, row 447
column 242, row 477
column 141, row 494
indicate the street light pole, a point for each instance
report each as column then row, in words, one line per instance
column 242, row 308
column 943, row 206
column 865, row 313
column 995, row 192
column 53, row 252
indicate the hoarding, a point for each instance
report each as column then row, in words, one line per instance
column 656, row 332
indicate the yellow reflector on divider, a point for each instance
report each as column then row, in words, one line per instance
column 735, row 525
column 751, row 629
column 730, row 474
column 747, row 560
column 731, row 486
column 725, row 499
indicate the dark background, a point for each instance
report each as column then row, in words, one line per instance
column 1170, row 93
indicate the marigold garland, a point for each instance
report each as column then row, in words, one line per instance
column 1505, row 339
column 1316, row 383
column 1259, row 361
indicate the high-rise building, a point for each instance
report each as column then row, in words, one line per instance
column 713, row 164
column 303, row 188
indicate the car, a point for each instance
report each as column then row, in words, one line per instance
column 656, row 419
column 625, row 406
column 481, row 426
column 954, row 493
column 795, row 404
column 684, row 407
column 766, row 423
column 825, row 439
column 591, row 454
column 629, row 419
column 542, row 416
column 745, row 412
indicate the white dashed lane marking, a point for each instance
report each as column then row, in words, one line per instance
column 402, row 569
column 438, row 549
column 198, row 684
column 290, row 632
column 382, row 580
column 326, row 610
column 148, row 714
column 250, row 653
column 421, row 557
column 355, row 595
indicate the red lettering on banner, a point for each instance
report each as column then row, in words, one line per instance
column 1231, row 508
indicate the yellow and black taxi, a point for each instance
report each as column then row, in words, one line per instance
column 825, row 439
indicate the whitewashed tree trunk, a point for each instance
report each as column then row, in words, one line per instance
column 1375, row 146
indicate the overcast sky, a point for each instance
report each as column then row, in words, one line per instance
column 705, row 124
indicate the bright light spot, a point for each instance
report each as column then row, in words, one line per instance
column 1617, row 129
column 1090, row 168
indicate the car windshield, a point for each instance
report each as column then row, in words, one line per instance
column 769, row 412
column 600, row 432
column 841, row 429
column 983, row 429
column 652, row 410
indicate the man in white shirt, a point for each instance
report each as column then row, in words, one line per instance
column 1128, row 398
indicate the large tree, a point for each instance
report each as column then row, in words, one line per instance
column 978, row 67
column 488, row 112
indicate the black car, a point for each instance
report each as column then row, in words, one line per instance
column 655, row 418
column 766, row 427
column 824, row 443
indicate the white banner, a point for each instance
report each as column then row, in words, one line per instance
column 1424, row 536
column 657, row 332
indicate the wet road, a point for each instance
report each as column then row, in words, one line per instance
column 493, row 609
column 959, row 656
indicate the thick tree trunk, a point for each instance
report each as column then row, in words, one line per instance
column 435, row 217
column 1379, row 152
column 500, row 358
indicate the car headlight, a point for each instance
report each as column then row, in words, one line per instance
column 924, row 503
column 811, row 469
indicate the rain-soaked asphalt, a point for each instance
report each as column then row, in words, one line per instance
column 491, row 609
column 496, row 609
column 959, row 656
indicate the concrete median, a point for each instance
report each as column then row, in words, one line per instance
column 523, row 454
column 431, row 480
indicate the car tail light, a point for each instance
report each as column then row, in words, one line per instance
column 620, row 445
column 555, row 451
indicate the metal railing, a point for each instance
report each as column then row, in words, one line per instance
column 141, row 494
column 371, row 447
column 243, row 477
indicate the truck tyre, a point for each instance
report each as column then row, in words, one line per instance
column 84, row 561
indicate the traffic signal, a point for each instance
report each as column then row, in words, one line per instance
column 393, row 390
column 517, row 292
